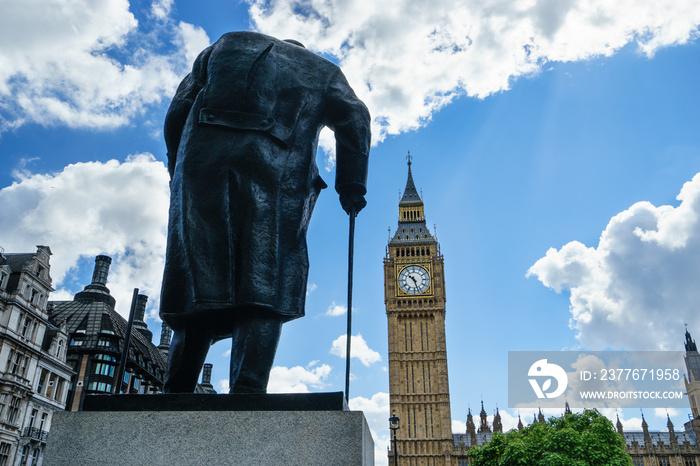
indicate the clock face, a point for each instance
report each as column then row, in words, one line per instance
column 414, row 279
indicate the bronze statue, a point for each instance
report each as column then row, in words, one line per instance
column 241, row 134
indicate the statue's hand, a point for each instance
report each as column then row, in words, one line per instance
column 352, row 202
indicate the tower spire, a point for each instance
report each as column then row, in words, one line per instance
column 619, row 426
column 689, row 342
column 412, row 227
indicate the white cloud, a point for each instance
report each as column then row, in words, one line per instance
column 376, row 411
column 358, row 349
column 161, row 8
column 298, row 379
column 81, row 63
column 335, row 310
column 666, row 412
column 638, row 286
column 112, row 208
column 310, row 288
column 408, row 58
column 222, row 386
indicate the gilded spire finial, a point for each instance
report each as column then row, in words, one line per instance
column 409, row 157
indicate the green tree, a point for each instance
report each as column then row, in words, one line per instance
column 583, row 439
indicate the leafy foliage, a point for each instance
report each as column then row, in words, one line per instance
column 583, row 439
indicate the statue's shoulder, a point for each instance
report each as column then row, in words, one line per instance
column 249, row 40
column 245, row 37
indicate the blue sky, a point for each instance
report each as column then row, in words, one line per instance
column 533, row 125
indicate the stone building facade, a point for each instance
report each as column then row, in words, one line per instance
column 96, row 337
column 34, row 376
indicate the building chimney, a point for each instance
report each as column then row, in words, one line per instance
column 206, row 376
column 139, row 315
column 99, row 275
column 97, row 291
column 165, row 334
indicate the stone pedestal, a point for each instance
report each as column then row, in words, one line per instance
column 239, row 437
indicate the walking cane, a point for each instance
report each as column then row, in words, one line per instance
column 351, row 242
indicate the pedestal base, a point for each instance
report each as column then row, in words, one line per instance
column 169, row 438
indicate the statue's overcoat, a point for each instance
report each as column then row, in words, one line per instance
column 241, row 133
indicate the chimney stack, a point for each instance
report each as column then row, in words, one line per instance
column 99, row 275
column 206, row 376
column 139, row 315
column 166, row 334
column 97, row 291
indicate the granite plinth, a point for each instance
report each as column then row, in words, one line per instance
column 304, row 438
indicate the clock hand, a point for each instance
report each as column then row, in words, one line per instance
column 414, row 280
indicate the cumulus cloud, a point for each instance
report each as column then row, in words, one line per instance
column 335, row 310
column 638, row 286
column 298, row 379
column 358, row 349
column 222, row 386
column 409, row 58
column 666, row 412
column 87, row 64
column 376, row 411
column 112, row 208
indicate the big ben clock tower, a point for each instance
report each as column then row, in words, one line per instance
column 414, row 291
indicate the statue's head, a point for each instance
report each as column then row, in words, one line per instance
column 295, row 42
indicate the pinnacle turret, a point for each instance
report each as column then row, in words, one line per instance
column 619, row 426
column 689, row 342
